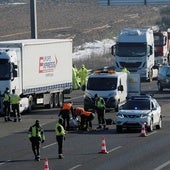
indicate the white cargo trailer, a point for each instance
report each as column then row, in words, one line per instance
column 40, row 70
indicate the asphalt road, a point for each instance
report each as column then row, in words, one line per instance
column 81, row 149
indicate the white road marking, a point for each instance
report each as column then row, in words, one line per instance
column 74, row 167
column 162, row 166
column 114, row 149
column 44, row 147
column 2, row 163
column 151, row 133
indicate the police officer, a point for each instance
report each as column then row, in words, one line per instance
column 36, row 136
column 60, row 137
column 15, row 99
column 100, row 109
column 6, row 102
column 66, row 112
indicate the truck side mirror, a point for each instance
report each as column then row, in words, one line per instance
column 150, row 50
column 113, row 50
column 120, row 88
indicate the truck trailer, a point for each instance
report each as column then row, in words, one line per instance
column 134, row 50
column 40, row 71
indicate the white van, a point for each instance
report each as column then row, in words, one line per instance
column 110, row 85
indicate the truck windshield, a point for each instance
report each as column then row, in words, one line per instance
column 4, row 69
column 131, row 49
column 102, row 84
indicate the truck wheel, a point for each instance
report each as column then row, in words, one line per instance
column 150, row 78
column 60, row 99
column 119, row 129
column 160, row 88
column 117, row 107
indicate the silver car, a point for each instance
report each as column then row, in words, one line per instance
column 138, row 110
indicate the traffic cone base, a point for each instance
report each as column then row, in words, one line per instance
column 103, row 146
column 143, row 131
column 46, row 167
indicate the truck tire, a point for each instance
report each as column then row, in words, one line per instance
column 119, row 129
column 150, row 76
column 160, row 88
column 60, row 99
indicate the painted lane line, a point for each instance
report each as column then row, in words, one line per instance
column 162, row 166
column 114, row 149
column 44, row 147
column 2, row 163
column 74, row 167
column 151, row 133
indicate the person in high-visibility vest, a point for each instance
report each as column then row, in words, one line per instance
column 86, row 118
column 75, row 78
column 125, row 70
column 66, row 112
column 15, row 99
column 36, row 136
column 100, row 109
column 6, row 102
column 60, row 137
column 83, row 74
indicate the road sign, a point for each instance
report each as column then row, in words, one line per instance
column 133, row 2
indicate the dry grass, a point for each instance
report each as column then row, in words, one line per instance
column 81, row 20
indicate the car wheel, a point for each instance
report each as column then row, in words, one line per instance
column 150, row 127
column 159, row 126
column 119, row 129
column 160, row 88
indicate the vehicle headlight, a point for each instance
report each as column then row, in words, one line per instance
column 120, row 115
column 143, row 115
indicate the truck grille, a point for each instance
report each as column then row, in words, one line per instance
column 130, row 65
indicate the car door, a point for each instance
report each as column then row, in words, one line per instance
column 155, row 111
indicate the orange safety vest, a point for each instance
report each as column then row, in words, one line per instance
column 87, row 113
column 66, row 106
column 78, row 110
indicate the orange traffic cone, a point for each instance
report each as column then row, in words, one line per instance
column 143, row 131
column 46, row 167
column 103, row 146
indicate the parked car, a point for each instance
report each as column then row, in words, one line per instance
column 138, row 110
column 163, row 78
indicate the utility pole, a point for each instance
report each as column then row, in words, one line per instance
column 33, row 18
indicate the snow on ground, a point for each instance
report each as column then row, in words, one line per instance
column 97, row 48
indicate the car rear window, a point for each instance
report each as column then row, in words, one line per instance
column 137, row 105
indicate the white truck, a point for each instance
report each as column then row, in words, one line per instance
column 40, row 71
column 114, row 87
column 134, row 50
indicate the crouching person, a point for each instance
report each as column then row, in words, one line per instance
column 86, row 118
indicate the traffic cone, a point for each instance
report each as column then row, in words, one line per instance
column 143, row 131
column 103, row 146
column 46, row 167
